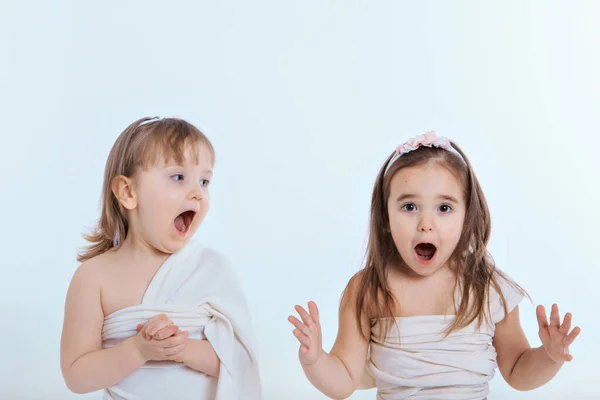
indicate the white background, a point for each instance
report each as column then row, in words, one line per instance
column 303, row 101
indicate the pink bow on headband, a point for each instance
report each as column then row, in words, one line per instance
column 429, row 139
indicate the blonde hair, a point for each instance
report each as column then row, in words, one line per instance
column 140, row 145
column 475, row 267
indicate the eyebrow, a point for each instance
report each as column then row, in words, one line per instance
column 408, row 196
column 175, row 165
column 208, row 172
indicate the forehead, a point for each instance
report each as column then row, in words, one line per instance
column 197, row 155
column 430, row 180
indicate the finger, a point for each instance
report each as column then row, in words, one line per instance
column 302, row 338
column 566, row 325
column 177, row 357
column 572, row 336
column 157, row 326
column 314, row 311
column 173, row 351
column 148, row 327
column 540, row 312
column 159, row 317
column 174, row 340
column 554, row 316
column 166, row 332
column 140, row 329
column 299, row 325
column 306, row 318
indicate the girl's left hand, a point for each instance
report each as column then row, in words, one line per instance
column 555, row 337
column 158, row 327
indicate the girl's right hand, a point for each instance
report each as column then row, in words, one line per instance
column 308, row 334
column 170, row 349
column 152, row 348
column 158, row 327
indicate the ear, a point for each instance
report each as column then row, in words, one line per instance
column 122, row 188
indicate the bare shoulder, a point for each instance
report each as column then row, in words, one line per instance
column 87, row 282
column 504, row 296
column 93, row 272
column 355, row 305
column 352, row 290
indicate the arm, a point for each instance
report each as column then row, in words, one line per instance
column 526, row 368
column 199, row 355
column 85, row 366
column 338, row 373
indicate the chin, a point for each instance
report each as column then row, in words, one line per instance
column 171, row 246
column 424, row 270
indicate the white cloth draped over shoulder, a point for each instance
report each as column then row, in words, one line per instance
column 199, row 291
column 416, row 361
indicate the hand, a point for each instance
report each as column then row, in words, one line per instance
column 308, row 334
column 555, row 337
column 158, row 327
column 170, row 348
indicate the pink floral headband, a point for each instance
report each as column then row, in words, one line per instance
column 429, row 139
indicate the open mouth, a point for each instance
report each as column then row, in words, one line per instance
column 425, row 251
column 184, row 220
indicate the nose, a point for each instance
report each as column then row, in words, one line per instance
column 196, row 192
column 425, row 223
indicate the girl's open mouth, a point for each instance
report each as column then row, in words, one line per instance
column 184, row 221
column 425, row 252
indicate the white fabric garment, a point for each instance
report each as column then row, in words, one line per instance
column 416, row 361
column 199, row 291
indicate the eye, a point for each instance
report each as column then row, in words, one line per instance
column 409, row 207
column 204, row 182
column 445, row 208
column 177, row 177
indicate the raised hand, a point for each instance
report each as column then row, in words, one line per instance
column 308, row 333
column 555, row 337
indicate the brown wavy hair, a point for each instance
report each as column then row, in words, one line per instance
column 475, row 267
column 140, row 145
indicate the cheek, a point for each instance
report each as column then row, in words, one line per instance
column 204, row 204
column 453, row 229
column 401, row 227
column 170, row 196
column 157, row 206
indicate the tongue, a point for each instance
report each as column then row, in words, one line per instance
column 425, row 250
column 180, row 223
